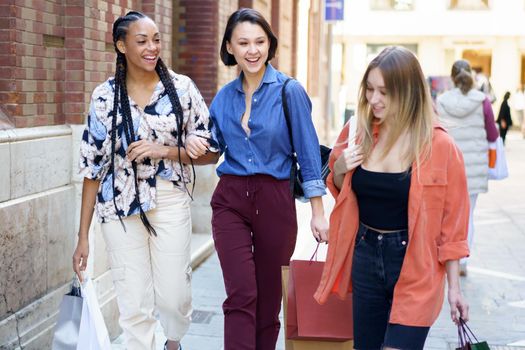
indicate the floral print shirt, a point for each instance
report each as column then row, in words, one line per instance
column 157, row 123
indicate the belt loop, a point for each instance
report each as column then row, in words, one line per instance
column 364, row 229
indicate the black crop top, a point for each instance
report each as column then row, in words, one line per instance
column 382, row 198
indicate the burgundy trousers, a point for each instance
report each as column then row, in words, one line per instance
column 255, row 229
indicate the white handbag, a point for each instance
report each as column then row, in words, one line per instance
column 500, row 170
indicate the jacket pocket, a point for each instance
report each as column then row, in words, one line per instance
column 434, row 188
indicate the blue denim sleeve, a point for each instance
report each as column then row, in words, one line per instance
column 314, row 188
column 305, row 140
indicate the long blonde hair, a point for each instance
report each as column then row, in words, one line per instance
column 409, row 104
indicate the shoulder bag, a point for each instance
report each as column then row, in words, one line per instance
column 296, row 179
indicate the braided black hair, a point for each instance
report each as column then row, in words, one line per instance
column 120, row 28
column 165, row 77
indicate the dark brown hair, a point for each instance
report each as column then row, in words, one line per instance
column 462, row 76
column 246, row 15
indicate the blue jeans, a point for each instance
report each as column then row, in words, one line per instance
column 376, row 265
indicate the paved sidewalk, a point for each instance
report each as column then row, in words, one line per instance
column 494, row 287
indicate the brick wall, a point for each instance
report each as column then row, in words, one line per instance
column 264, row 7
column 75, row 55
column 196, row 48
column 9, row 97
column 246, row 3
column 282, row 21
column 225, row 74
column 314, row 55
column 161, row 12
column 53, row 54
column 32, row 72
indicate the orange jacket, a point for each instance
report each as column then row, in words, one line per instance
column 438, row 209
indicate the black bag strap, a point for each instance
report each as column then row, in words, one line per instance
column 467, row 331
column 287, row 113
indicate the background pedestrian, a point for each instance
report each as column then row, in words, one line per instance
column 467, row 114
column 518, row 104
column 504, row 119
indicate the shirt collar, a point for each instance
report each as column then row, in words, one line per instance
column 270, row 76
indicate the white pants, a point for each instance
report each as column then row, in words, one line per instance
column 473, row 198
column 152, row 274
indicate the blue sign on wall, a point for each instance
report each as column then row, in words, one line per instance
column 334, row 10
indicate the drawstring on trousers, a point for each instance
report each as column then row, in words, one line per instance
column 254, row 194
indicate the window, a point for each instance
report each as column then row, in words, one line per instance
column 469, row 5
column 398, row 5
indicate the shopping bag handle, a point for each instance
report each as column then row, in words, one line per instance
column 467, row 331
column 464, row 338
column 461, row 339
column 75, row 287
column 314, row 255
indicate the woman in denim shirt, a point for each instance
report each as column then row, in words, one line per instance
column 254, row 219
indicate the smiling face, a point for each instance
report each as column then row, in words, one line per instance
column 249, row 45
column 376, row 93
column 141, row 45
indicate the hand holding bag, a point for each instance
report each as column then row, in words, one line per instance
column 93, row 333
column 307, row 320
column 296, row 179
column 467, row 340
column 498, row 170
column 68, row 322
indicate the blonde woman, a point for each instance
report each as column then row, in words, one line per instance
column 399, row 225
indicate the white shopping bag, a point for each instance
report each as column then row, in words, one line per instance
column 93, row 334
column 500, row 171
column 68, row 323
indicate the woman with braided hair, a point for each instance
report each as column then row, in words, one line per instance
column 145, row 126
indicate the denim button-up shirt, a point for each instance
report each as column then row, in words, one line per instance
column 267, row 149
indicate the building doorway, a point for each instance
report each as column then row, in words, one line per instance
column 480, row 60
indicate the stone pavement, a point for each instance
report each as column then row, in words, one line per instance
column 494, row 287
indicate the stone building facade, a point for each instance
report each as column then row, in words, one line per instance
column 52, row 54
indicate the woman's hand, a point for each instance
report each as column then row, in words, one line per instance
column 349, row 159
column 196, row 146
column 318, row 224
column 319, row 227
column 80, row 256
column 141, row 149
column 458, row 305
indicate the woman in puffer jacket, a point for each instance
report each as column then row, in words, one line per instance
column 467, row 114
